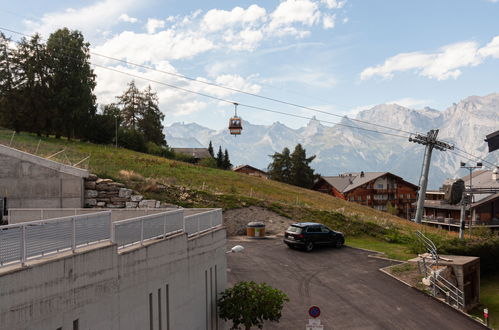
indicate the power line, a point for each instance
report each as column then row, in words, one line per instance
column 227, row 88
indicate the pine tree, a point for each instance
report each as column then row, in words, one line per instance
column 280, row 168
column 71, row 83
column 220, row 158
column 301, row 174
column 226, row 162
column 210, row 150
column 32, row 81
column 131, row 102
column 150, row 120
column 8, row 93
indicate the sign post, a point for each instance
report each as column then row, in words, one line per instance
column 314, row 323
column 486, row 315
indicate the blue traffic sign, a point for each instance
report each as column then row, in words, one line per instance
column 314, row 311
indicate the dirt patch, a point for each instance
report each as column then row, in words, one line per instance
column 235, row 220
column 408, row 273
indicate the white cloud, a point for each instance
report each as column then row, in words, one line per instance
column 128, row 19
column 410, row 102
column 333, row 4
column 443, row 64
column 99, row 16
column 288, row 12
column 216, row 19
column 328, row 21
column 153, row 24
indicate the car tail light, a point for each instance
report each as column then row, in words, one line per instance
column 301, row 236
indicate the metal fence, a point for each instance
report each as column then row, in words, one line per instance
column 31, row 240
column 138, row 230
column 197, row 223
column 35, row 239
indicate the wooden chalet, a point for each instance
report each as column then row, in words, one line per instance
column 250, row 170
column 374, row 189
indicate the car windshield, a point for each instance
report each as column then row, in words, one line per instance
column 294, row 229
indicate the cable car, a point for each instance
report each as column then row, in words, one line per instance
column 235, row 123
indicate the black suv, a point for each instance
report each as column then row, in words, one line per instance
column 309, row 234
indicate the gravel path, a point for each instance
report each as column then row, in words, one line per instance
column 236, row 220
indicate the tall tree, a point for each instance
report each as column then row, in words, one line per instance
column 210, row 150
column 131, row 102
column 72, row 82
column 280, row 168
column 31, row 60
column 150, row 121
column 220, row 158
column 8, row 97
column 226, row 161
column 301, row 174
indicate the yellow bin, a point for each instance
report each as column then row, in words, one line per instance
column 255, row 229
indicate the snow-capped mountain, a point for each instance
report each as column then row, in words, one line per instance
column 344, row 148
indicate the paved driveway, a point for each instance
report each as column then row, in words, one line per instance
column 345, row 283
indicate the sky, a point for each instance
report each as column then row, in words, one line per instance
column 339, row 56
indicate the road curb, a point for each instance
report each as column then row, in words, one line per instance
column 377, row 255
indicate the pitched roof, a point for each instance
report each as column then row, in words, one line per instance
column 237, row 168
column 349, row 181
column 194, row 152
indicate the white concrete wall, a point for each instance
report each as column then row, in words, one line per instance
column 104, row 289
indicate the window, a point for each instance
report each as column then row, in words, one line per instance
column 159, row 309
column 314, row 229
column 76, row 325
column 359, row 198
column 151, row 325
column 401, row 196
column 368, row 197
column 294, row 229
column 408, row 196
column 379, row 186
column 324, row 229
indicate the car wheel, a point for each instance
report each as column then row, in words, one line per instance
column 309, row 246
column 339, row 243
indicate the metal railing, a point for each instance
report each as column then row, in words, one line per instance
column 141, row 229
column 35, row 239
column 198, row 223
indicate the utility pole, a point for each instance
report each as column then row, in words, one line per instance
column 430, row 141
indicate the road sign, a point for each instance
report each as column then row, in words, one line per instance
column 486, row 313
column 314, row 311
column 314, row 324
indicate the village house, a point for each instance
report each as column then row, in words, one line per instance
column 250, row 170
column 379, row 190
column 484, row 207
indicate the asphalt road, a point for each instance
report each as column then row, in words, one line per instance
column 345, row 283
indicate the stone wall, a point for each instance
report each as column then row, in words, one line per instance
column 105, row 193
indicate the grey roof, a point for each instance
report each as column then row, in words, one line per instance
column 349, row 181
column 199, row 153
column 481, row 179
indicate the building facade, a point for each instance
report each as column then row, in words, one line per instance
column 383, row 191
column 250, row 170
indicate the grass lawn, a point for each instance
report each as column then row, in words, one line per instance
column 489, row 298
column 392, row 250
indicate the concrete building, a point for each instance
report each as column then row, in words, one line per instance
column 160, row 271
column 30, row 181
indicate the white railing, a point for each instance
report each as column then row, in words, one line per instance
column 200, row 222
column 30, row 240
column 35, row 239
column 140, row 229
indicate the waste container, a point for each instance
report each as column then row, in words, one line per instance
column 255, row 229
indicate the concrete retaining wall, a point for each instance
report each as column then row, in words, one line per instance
column 30, row 181
column 101, row 289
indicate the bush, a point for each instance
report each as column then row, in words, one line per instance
column 132, row 139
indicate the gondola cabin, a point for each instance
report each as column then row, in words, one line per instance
column 235, row 125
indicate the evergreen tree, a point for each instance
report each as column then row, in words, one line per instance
column 8, row 97
column 32, row 81
column 226, row 162
column 220, row 158
column 72, row 83
column 210, row 150
column 280, row 168
column 150, row 121
column 131, row 103
column 301, row 174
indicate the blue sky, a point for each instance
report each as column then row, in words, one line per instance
column 338, row 56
